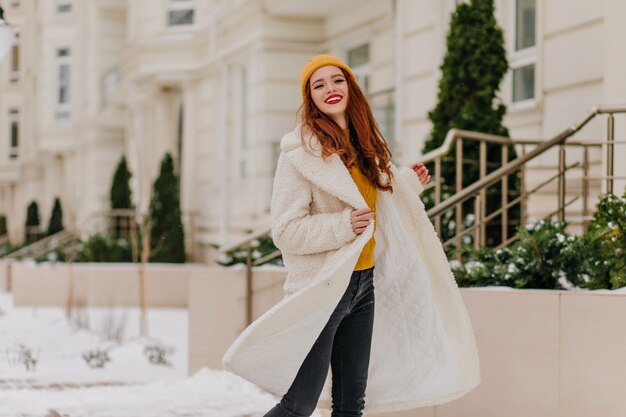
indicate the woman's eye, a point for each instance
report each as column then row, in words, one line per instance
column 339, row 80
column 317, row 87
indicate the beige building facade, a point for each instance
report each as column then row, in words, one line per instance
column 215, row 83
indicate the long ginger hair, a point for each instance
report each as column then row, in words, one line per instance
column 371, row 154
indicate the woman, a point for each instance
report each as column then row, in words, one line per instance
column 378, row 318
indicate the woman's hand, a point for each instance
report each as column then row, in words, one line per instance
column 360, row 219
column 422, row 173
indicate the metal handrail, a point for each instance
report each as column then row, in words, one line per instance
column 444, row 149
column 447, row 146
column 454, row 134
column 508, row 168
column 479, row 188
column 259, row 233
column 40, row 247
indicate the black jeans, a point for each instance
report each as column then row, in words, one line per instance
column 345, row 343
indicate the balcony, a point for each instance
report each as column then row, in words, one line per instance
column 169, row 56
column 309, row 9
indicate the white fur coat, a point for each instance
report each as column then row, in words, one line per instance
column 423, row 348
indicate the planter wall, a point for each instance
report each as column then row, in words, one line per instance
column 4, row 275
column 542, row 353
column 98, row 284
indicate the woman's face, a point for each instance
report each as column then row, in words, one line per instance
column 329, row 91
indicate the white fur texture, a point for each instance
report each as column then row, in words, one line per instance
column 423, row 348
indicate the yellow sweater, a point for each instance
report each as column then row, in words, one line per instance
column 369, row 192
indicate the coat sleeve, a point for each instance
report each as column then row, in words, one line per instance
column 294, row 228
column 410, row 178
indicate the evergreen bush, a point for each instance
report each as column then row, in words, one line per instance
column 32, row 223
column 3, row 225
column 167, row 234
column 100, row 248
column 120, row 194
column 56, row 218
column 121, row 198
column 536, row 260
column 604, row 246
column 546, row 256
column 473, row 68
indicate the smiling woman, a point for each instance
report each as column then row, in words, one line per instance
column 400, row 335
column 329, row 91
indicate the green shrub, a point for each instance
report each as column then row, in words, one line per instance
column 101, row 248
column 33, row 220
column 120, row 197
column 120, row 194
column 98, row 248
column 167, row 233
column 3, row 225
column 536, row 260
column 56, row 218
column 602, row 249
column 546, row 256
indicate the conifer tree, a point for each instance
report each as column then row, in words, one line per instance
column 120, row 194
column 56, row 218
column 3, row 225
column 32, row 222
column 167, row 234
column 472, row 70
column 121, row 198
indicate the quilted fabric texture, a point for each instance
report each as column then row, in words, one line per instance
column 423, row 349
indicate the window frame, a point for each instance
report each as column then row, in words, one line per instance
column 522, row 63
column 516, row 27
column 362, row 72
column 63, row 4
column 14, row 66
column 180, row 5
column 519, row 58
column 14, row 133
column 63, row 108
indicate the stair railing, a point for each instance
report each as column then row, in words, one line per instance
column 43, row 246
column 478, row 190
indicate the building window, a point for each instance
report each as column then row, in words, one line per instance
column 359, row 60
column 64, row 6
column 14, row 123
column 384, row 111
column 524, row 83
column 524, row 24
column 14, row 73
column 63, row 90
column 381, row 102
column 524, row 56
column 180, row 12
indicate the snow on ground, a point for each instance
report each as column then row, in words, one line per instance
column 61, row 383
column 206, row 393
column 58, row 345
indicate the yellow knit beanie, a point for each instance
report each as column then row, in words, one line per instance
column 316, row 63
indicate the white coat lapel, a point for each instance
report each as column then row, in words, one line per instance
column 329, row 174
